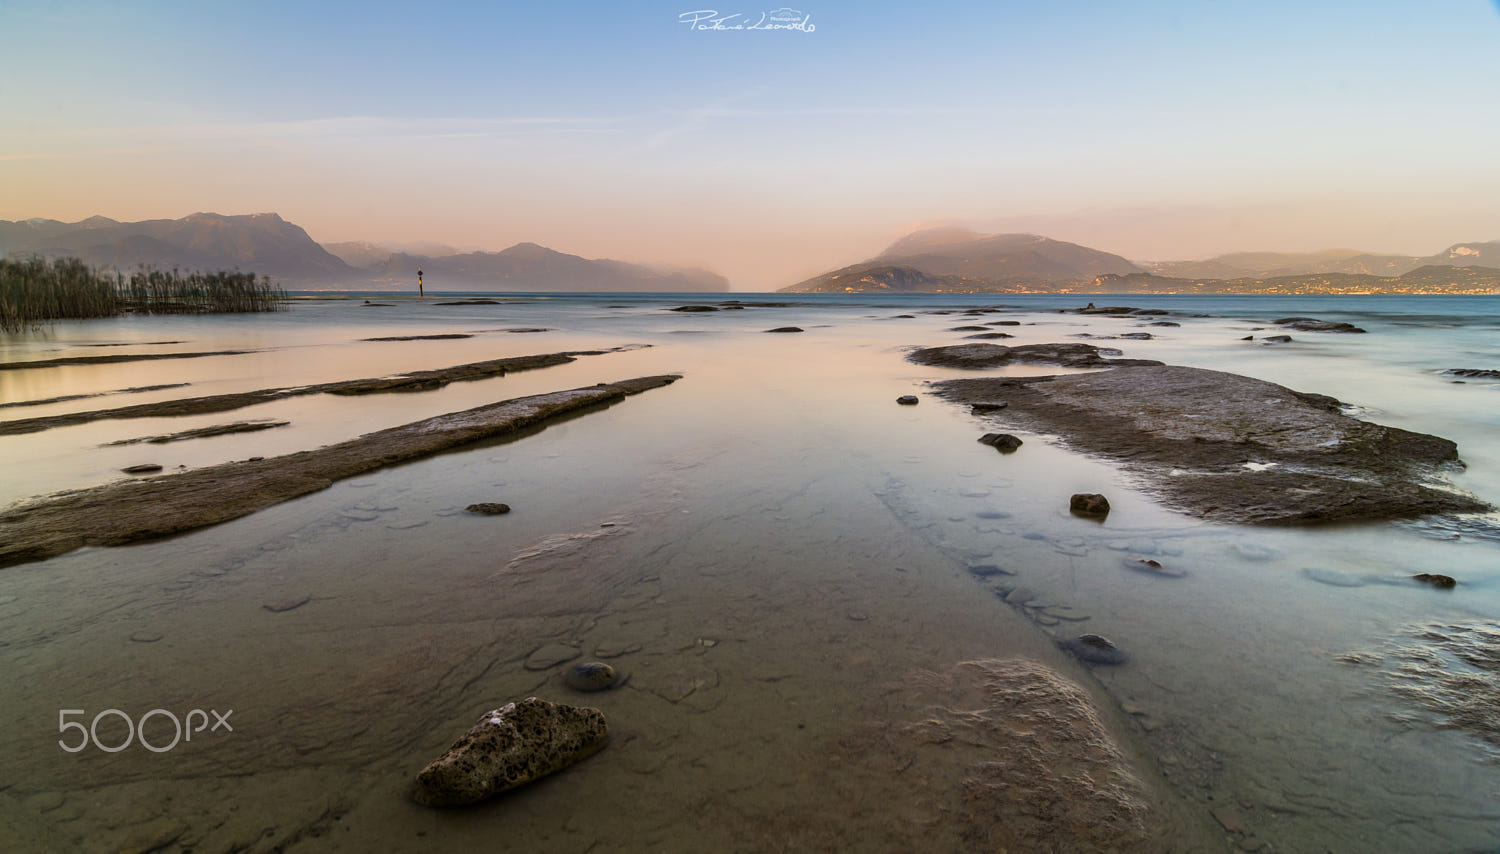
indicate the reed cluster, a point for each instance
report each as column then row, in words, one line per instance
column 35, row 290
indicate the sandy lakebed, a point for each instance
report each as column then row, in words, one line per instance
column 839, row 623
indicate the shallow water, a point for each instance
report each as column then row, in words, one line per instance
column 762, row 547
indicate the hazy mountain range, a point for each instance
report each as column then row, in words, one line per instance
column 942, row 260
column 956, row 260
column 268, row 245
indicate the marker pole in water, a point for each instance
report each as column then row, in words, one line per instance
column 420, row 294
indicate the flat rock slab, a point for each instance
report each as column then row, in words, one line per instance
column 129, row 511
column 1231, row 448
column 509, row 747
column 207, row 432
column 113, row 359
column 979, row 356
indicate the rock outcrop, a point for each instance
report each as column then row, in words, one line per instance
column 1232, row 448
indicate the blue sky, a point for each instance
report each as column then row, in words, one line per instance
column 612, row 129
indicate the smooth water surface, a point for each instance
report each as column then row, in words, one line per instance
column 761, row 548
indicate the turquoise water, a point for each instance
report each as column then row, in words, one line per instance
column 761, row 546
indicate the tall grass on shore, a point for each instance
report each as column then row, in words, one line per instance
column 35, row 290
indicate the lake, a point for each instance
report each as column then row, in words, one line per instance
column 771, row 552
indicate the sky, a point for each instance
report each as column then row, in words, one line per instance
column 1157, row 130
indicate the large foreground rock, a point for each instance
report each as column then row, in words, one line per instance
column 509, row 747
column 1232, row 448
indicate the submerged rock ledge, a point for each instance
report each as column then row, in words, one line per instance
column 120, row 513
column 1231, row 448
column 414, row 381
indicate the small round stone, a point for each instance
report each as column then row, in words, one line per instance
column 1089, row 504
column 488, row 509
column 907, row 400
column 590, row 676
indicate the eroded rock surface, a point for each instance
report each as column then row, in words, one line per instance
column 1232, row 448
column 509, row 747
column 1018, row 759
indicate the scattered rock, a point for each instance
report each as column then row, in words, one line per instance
column 509, row 747
column 549, row 656
column 1004, row 323
column 287, row 604
column 1163, row 323
column 1311, row 324
column 1473, row 373
column 143, row 468
column 988, row 336
column 1002, row 442
column 1088, row 504
column 488, row 509
column 1136, row 336
column 1444, row 582
column 1277, row 339
column 907, row 400
column 590, row 676
column 147, row 637
column 694, row 308
column 1094, row 649
column 786, row 329
column 1108, row 309
column 969, row 329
